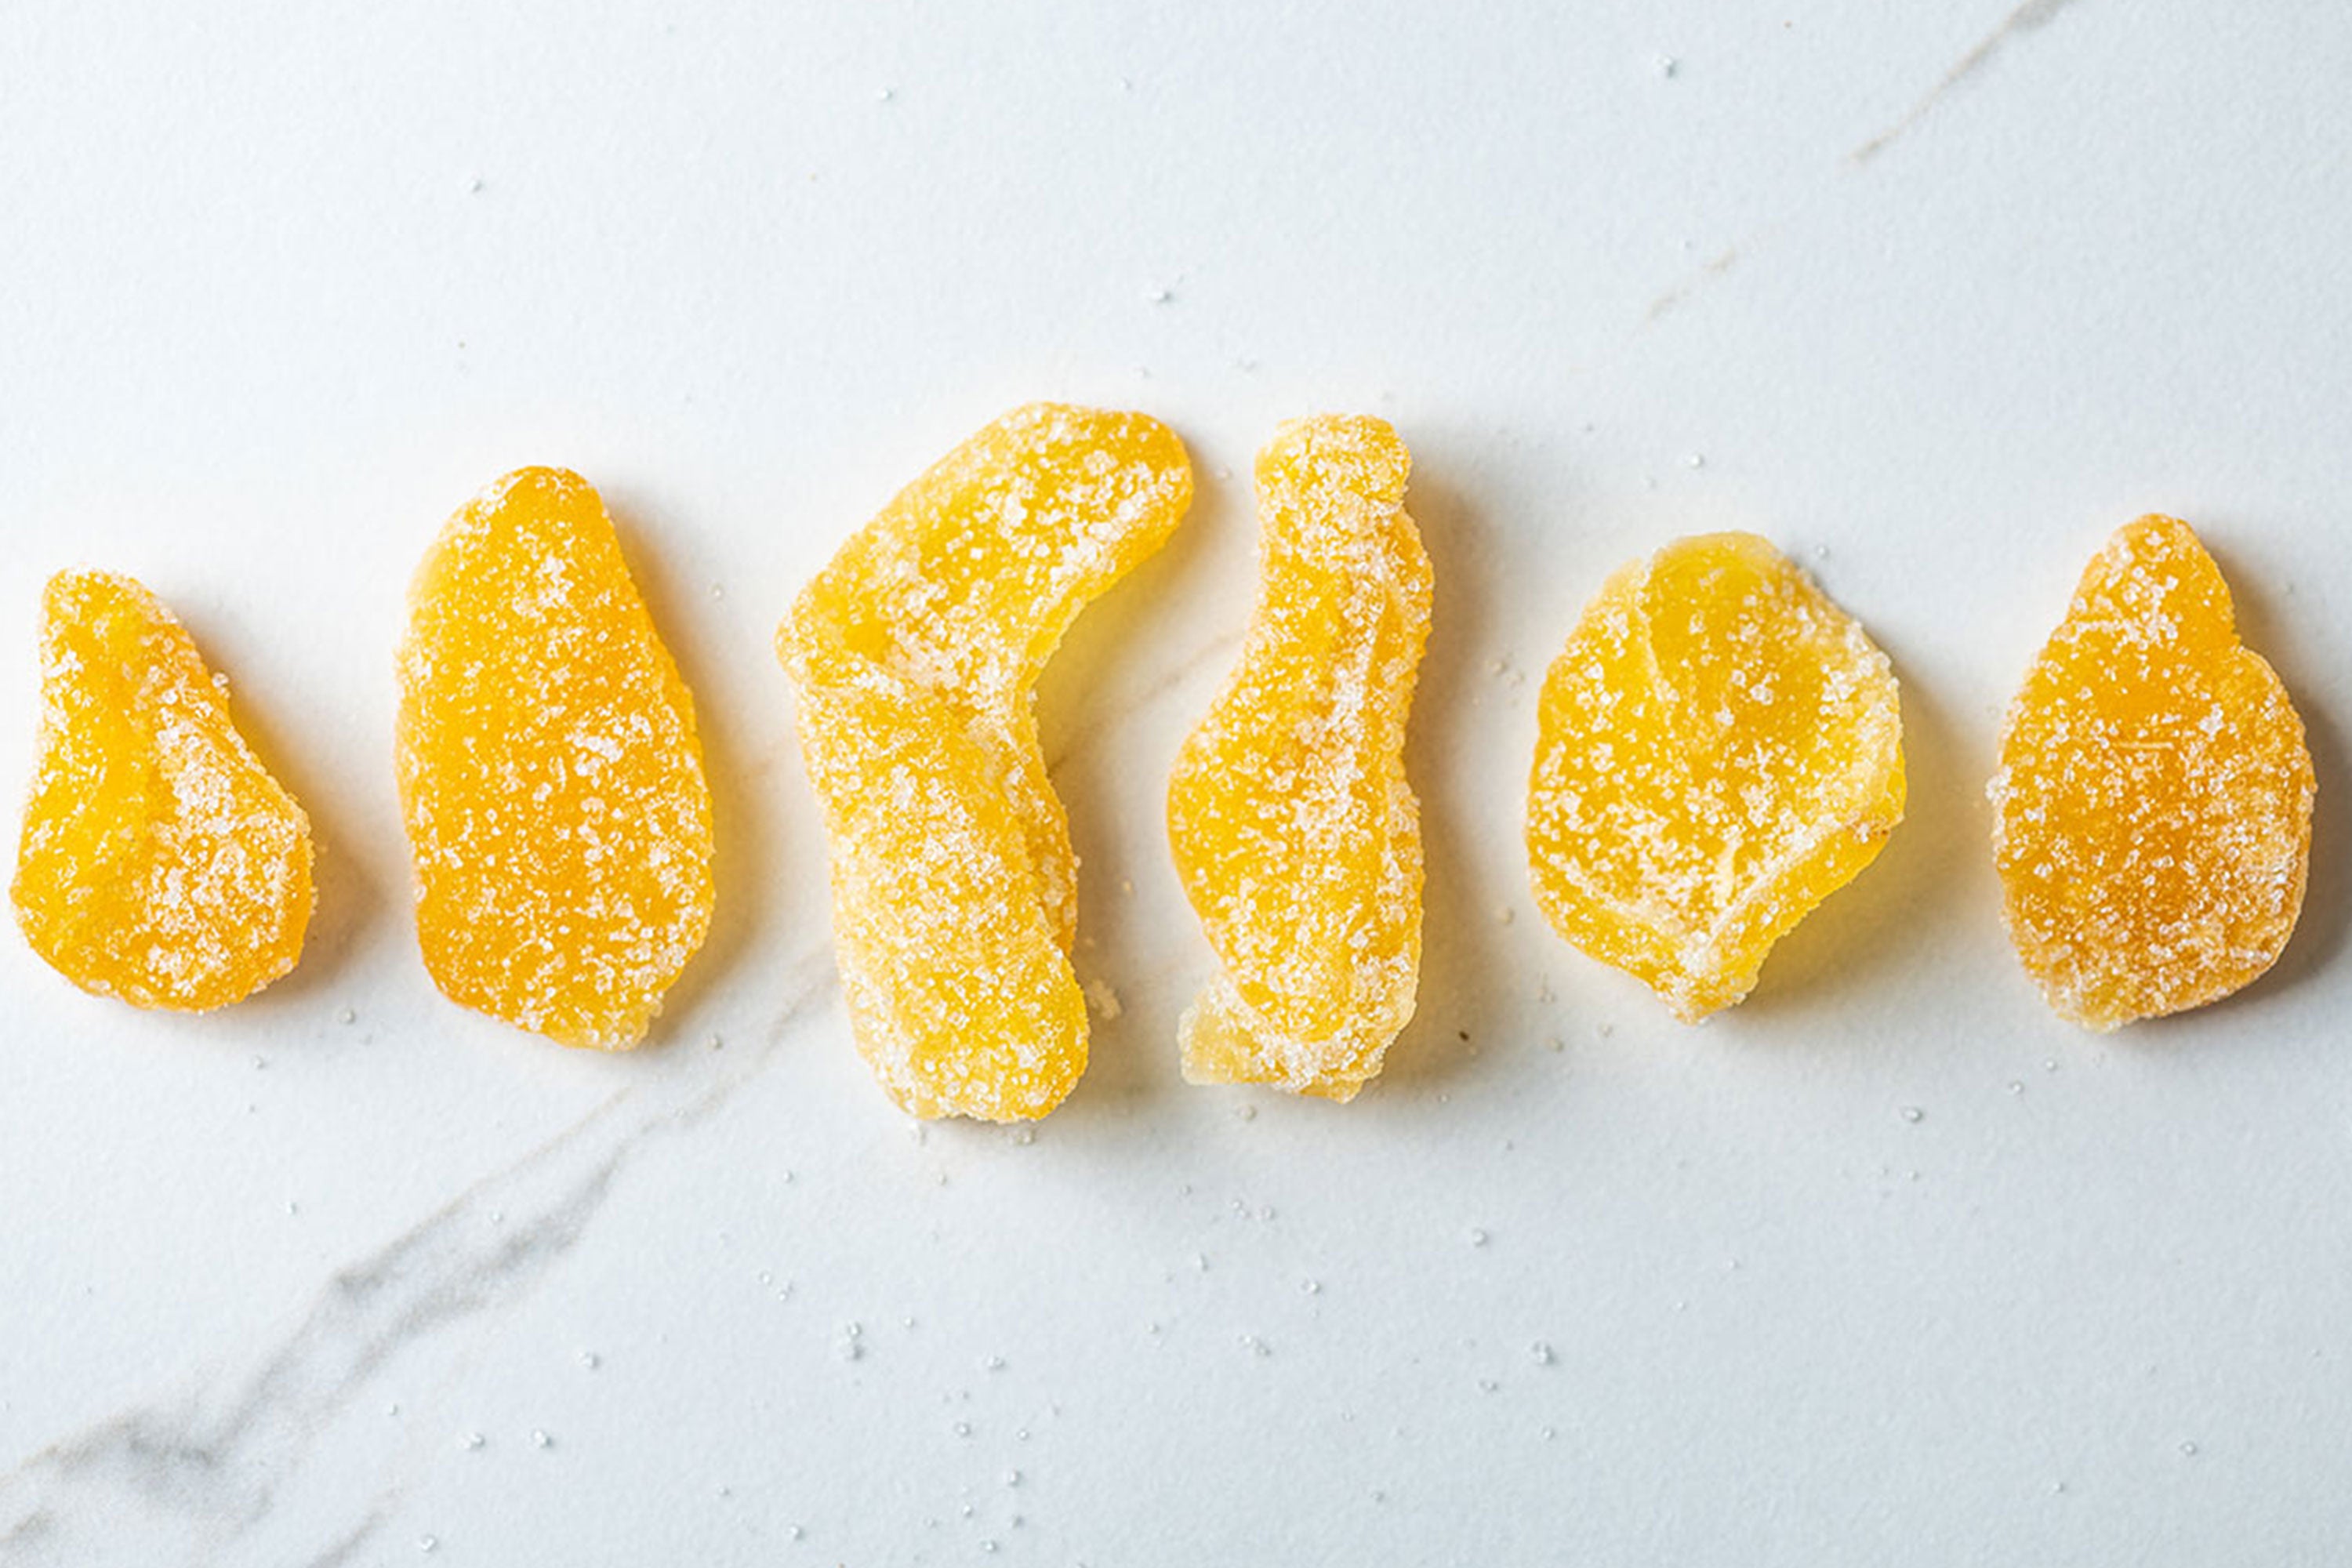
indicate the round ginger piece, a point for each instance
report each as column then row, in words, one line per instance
column 1718, row 749
column 2152, row 813
column 551, row 773
column 160, row 862
column 915, row 654
column 1295, row 831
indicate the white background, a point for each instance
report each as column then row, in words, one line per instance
column 1935, row 297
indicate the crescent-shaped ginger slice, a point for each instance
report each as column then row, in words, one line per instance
column 915, row 652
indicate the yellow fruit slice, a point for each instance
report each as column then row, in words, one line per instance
column 1719, row 749
column 1295, row 832
column 915, row 652
column 2152, row 814
column 957, row 980
column 550, row 771
column 160, row 862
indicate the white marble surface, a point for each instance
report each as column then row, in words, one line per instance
column 1934, row 296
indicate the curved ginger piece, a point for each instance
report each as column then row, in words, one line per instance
column 159, row 861
column 914, row 653
column 550, row 771
column 1296, row 833
column 1719, row 749
column 2152, row 814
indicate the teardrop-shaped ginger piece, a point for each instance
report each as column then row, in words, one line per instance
column 2152, row 814
column 1718, row 749
column 550, row 771
column 1295, row 831
column 915, row 652
column 159, row 861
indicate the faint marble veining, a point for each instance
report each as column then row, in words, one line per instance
column 347, row 1549
column 181, row 1480
column 1691, row 283
column 2029, row 17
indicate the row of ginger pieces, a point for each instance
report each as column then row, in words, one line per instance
column 1718, row 749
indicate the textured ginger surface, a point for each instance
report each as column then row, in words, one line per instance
column 550, row 771
column 1295, row 832
column 915, row 652
column 159, row 861
column 1719, row 749
column 2152, row 814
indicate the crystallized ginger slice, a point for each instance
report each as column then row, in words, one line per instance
column 550, row 771
column 954, row 970
column 1719, row 749
column 2152, row 813
column 963, row 587
column 1295, row 832
column 160, row 862
column 915, row 652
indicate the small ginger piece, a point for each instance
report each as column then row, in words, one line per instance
column 1295, row 832
column 550, row 771
column 2152, row 813
column 1719, row 749
column 915, row 654
column 160, row 862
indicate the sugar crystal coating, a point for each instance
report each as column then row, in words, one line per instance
column 1295, row 831
column 160, row 862
column 551, row 773
column 915, row 652
column 2152, row 813
column 1719, row 749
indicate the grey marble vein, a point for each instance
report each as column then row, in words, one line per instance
column 1691, row 283
column 2031, row 16
column 347, row 1548
column 185, row 1477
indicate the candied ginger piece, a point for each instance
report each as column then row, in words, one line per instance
column 954, row 970
column 1719, row 748
column 550, row 773
column 159, row 861
column 2152, row 811
column 915, row 654
column 1295, row 832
